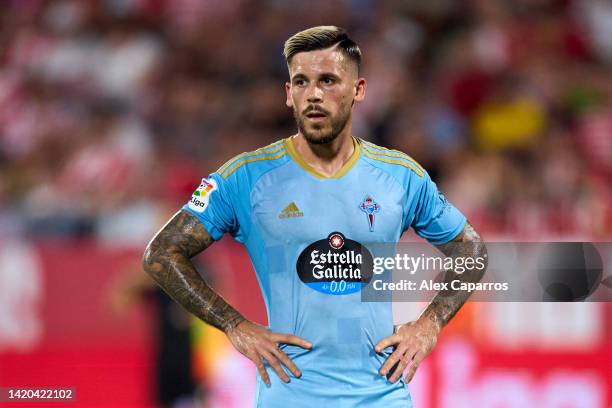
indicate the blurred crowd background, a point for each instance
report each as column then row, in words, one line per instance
column 111, row 111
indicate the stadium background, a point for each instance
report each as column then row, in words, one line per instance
column 111, row 112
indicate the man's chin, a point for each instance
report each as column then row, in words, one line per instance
column 319, row 138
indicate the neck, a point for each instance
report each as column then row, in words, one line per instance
column 328, row 158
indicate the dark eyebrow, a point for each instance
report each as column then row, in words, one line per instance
column 329, row 75
column 298, row 76
column 322, row 75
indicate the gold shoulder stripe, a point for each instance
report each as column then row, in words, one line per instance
column 393, row 154
column 385, row 159
column 372, row 148
column 236, row 166
column 269, row 149
column 375, row 149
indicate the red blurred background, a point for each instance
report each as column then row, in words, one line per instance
column 111, row 112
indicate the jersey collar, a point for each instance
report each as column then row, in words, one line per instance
column 288, row 142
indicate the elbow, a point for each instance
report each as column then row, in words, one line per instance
column 483, row 257
column 151, row 261
column 476, row 247
column 157, row 259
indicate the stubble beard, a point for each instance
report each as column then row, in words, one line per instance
column 318, row 134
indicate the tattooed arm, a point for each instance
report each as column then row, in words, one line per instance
column 167, row 260
column 413, row 341
column 447, row 303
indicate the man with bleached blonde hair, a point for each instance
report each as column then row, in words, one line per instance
column 305, row 207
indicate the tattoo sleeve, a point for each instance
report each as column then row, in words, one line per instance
column 167, row 260
column 447, row 302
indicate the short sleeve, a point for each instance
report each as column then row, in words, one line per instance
column 212, row 204
column 435, row 218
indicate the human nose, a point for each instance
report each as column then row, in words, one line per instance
column 315, row 94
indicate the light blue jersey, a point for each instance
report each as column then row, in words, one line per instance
column 302, row 231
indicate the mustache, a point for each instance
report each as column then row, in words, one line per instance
column 314, row 108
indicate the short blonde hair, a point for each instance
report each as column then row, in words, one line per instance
column 321, row 37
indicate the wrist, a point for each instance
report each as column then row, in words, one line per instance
column 430, row 319
column 233, row 323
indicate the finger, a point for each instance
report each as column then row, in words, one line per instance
column 399, row 370
column 392, row 360
column 387, row 341
column 261, row 368
column 413, row 367
column 287, row 362
column 291, row 339
column 275, row 365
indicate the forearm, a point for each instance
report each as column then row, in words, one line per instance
column 167, row 260
column 447, row 302
column 178, row 277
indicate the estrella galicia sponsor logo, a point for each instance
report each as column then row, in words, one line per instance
column 201, row 197
column 335, row 265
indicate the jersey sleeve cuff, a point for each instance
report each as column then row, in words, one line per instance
column 214, row 232
column 451, row 235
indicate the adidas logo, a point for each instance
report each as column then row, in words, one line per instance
column 291, row 211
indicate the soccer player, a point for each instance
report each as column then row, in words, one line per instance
column 295, row 205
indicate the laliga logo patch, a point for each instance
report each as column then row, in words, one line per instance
column 335, row 266
column 200, row 198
